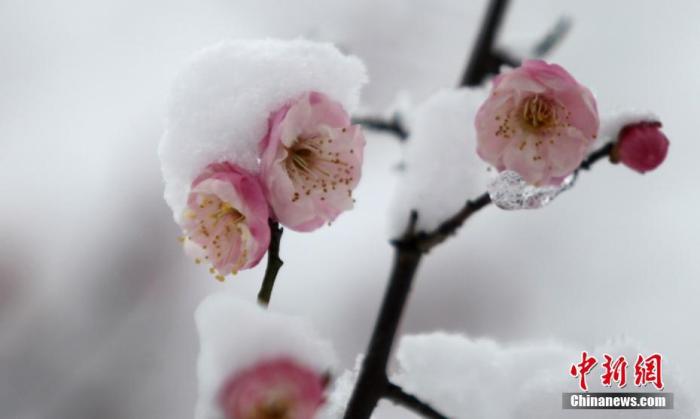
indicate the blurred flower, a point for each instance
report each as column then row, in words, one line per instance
column 311, row 161
column 641, row 146
column 538, row 121
column 226, row 220
column 275, row 389
column 258, row 364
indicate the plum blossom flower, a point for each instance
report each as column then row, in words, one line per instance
column 273, row 389
column 255, row 363
column 538, row 121
column 641, row 146
column 311, row 161
column 226, row 220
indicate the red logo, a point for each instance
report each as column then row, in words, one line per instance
column 646, row 370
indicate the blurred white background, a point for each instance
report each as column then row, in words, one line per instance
column 96, row 297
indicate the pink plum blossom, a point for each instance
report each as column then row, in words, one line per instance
column 311, row 161
column 226, row 220
column 275, row 389
column 641, row 146
column 538, row 121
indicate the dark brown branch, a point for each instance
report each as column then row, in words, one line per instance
column 483, row 61
column 486, row 59
column 274, row 263
column 391, row 126
column 372, row 381
column 408, row 251
column 426, row 241
column 398, row 396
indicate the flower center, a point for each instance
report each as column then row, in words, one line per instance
column 219, row 229
column 275, row 408
column 538, row 112
column 313, row 166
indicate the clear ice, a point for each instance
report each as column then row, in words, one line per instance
column 509, row 191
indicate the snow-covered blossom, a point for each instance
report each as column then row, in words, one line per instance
column 311, row 161
column 225, row 222
column 273, row 389
column 220, row 105
column 251, row 358
column 538, row 121
column 641, row 146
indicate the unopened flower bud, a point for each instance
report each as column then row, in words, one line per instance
column 641, row 146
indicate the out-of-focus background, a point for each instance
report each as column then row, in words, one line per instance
column 96, row 297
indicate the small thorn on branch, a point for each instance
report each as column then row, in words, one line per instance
column 274, row 263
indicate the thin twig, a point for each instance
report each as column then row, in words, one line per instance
column 553, row 37
column 397, row 395
column 593, row 157
column 274, row 263
column 392, row 126
column 427, row 240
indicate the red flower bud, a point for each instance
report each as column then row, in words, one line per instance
column 641, row 146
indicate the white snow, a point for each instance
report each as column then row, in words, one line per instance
column 220, row 103
column 483, row 379
column 235, row 334
column 611, row 124
column 341, row 391
column 441, row 168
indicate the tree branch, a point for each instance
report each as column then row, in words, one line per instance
column 392, row 126
column 411, row 402
column 274, row 263
column 553, row 37
column 372, row 381
column 482, row 61
column 408, row 251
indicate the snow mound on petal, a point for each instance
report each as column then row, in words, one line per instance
column 220, row 103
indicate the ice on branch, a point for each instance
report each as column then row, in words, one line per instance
column 246, row 351
column 483, row 379
column 442, row 170
column 222, row 101
column 510, row 191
